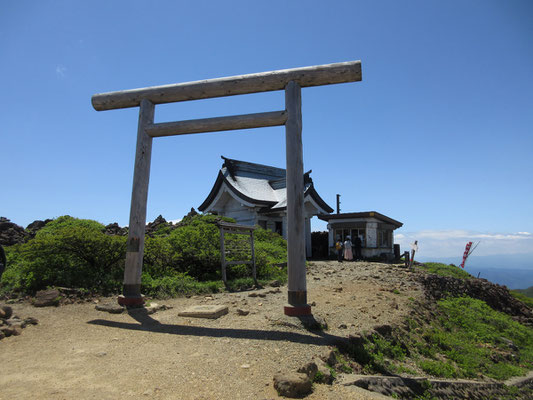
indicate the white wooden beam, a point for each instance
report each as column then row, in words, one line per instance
column 317, row 75
column 139, row 198
column 297, row 285
column 246, row 121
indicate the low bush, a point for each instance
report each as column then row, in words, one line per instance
column 67, row 252
column 73, row 252
column 444, row 270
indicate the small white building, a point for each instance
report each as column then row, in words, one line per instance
column 255, row 194
column 375, row 230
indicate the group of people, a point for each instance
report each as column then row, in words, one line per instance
column 347, row 250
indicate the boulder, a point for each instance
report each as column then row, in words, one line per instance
column 329, row 358
column 36, row 226
column 6, row 312
column 310, row 369
column 112, row 308
column 115, row 230
column 46, row 298
column 293, row 384
column 11, row 233
column 324, row 374
column 31, row 321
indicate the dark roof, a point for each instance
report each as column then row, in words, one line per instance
column 258, row 184
column 365, row 214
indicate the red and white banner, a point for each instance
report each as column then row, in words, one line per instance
column 467, row 252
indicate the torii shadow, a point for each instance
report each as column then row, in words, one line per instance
column 147, row 323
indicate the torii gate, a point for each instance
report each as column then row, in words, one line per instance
column 290, row 80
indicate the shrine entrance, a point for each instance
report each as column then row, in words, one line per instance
column 290, row 80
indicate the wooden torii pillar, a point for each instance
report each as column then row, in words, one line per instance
column 290, row 80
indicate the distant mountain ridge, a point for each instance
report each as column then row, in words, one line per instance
column 527, row 292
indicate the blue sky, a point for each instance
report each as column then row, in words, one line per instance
column 438, row 134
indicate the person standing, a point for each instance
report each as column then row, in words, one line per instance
column 338, row 247
column 348, row 254
column 357, row 247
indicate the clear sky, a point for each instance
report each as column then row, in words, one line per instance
column 438, row 135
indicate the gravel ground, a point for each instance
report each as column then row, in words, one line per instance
column 77, row 352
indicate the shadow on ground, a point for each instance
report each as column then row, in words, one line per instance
column 147, row 323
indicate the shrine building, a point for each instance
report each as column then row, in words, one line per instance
column 255, row 194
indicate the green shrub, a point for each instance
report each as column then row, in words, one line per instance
column 438, row 368
column 67, row 252
column 75, row 252
column 475, row 337
column 445, row 270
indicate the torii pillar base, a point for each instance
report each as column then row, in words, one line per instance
column 131, row 298
column 130, row 301
column 297, row 311
column 297, row 304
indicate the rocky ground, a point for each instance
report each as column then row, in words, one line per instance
column 76, row 351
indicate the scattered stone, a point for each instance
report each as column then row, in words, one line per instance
column 275, row 283
column 154, row 307
column 203, row 311
column 16, row 330
column 112, row 308
column 293, row 385
column 47, row 298
column 255, row 294
column 6, row 312
column 383, row 330
column 310, row 369
column 16, row 322
column 245, row 366
column 329, row 357
column 31, row 321
column 6, row 330
column 342, row 326
column 325, row 374
column 240, row 311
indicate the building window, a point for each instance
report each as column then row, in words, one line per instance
column 384, row 237
column 353, row 233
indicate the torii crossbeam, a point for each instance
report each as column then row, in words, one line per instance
column 290, row 80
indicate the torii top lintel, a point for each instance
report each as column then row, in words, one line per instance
column 317, row 75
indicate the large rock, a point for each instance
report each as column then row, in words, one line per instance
column 115, row 230
column 310, row 369
column 11, row 233
column 112, row 308
column 47, row 298
column 293, row 385
column 36, row 226
column 204, row 311
column 6, row 312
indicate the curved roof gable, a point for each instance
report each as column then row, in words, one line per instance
column 259, row 184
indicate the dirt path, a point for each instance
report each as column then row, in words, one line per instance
column 77, row 352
